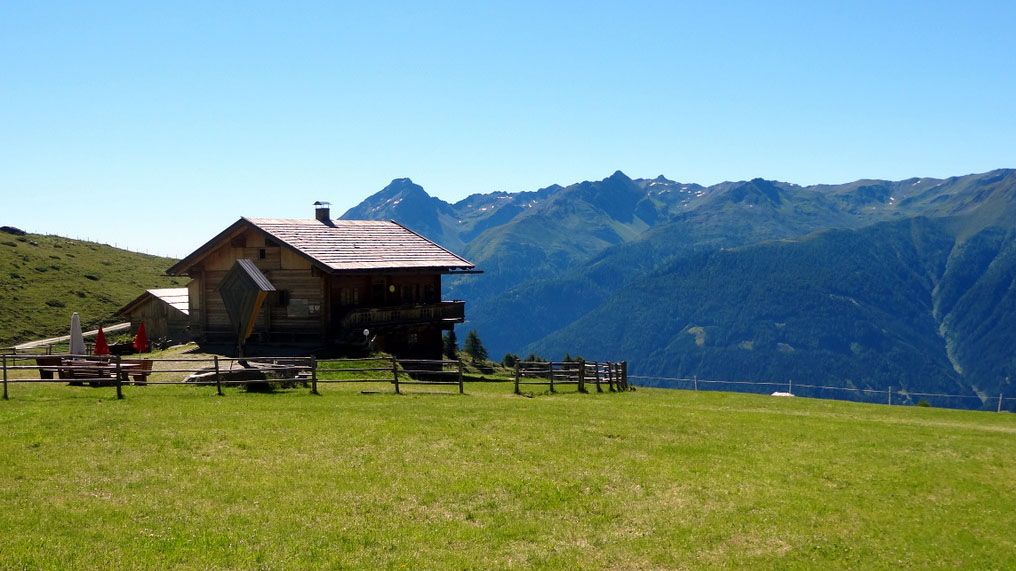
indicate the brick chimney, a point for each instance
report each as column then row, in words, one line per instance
column 322, row 212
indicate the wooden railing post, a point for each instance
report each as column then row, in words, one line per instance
column 395, row 375
column 611, row 380
column 596, row 372
column 462, row 389
column 517, row 374
column 5, row 377
column 550, row 373
column 313, row 375
column 582, row 375
column 218, row 377
column 624, row 375
column 119, row 379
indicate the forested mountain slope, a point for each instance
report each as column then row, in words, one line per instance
column 853, row 308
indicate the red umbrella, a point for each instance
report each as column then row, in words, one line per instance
column 141, row 339
column 101, row 347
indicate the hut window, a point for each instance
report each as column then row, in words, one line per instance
column 345, row 296
column 262, row 254
column 412, row 338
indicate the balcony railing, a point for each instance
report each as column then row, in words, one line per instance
column 449, row 311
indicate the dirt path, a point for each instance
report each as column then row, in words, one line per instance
column 55, row 340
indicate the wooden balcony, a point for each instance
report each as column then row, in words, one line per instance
column 445, row 311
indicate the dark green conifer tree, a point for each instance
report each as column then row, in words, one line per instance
column 474, row 347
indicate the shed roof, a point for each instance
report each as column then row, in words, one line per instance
column 175, row 297
column 344, row 245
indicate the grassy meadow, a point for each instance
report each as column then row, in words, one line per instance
column 46, row 278
column 173, row 477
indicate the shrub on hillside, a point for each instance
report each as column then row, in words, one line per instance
column 510, row 360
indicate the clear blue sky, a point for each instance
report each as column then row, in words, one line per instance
column 154, row 125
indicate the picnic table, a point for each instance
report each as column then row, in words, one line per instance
column 96, row 372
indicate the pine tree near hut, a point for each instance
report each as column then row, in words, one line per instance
column 451, row 345
column 474, row 347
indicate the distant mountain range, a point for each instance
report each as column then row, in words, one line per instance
column 870, row 284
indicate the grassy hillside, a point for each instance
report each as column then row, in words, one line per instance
column 173, row 477
column 43, row 279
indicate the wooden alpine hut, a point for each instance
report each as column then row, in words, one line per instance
column 326, row 283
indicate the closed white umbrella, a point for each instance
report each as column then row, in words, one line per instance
column 77, row 340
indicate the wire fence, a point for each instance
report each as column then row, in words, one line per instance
column 892, row 396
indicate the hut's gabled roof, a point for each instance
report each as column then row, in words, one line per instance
column 343, row 245
column 175, row 297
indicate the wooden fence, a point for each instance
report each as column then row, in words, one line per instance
column 116, row 371
column 579, row 373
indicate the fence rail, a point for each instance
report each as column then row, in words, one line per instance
column 889, row 395
column 118, row 371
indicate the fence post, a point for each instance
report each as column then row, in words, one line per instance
column 582, row 376
column 596, row 371
column 313, row 375
column 624, row 375
column 695, row 381
column 550, row 373
column 218, row 377
column 790, row 386
column 462, row 388
column 999, row 395
column 517, row 378
column 890, row 391
column 395, row 375
column 611, row 377
column 5, row 377
column 119, row 379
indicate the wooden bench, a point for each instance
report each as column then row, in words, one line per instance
column 139, row 369
column 48, row 366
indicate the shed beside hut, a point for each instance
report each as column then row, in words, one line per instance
column 166, row 313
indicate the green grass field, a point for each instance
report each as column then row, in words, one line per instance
column 173, row 477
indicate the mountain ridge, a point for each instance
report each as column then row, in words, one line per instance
column 554, row 256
